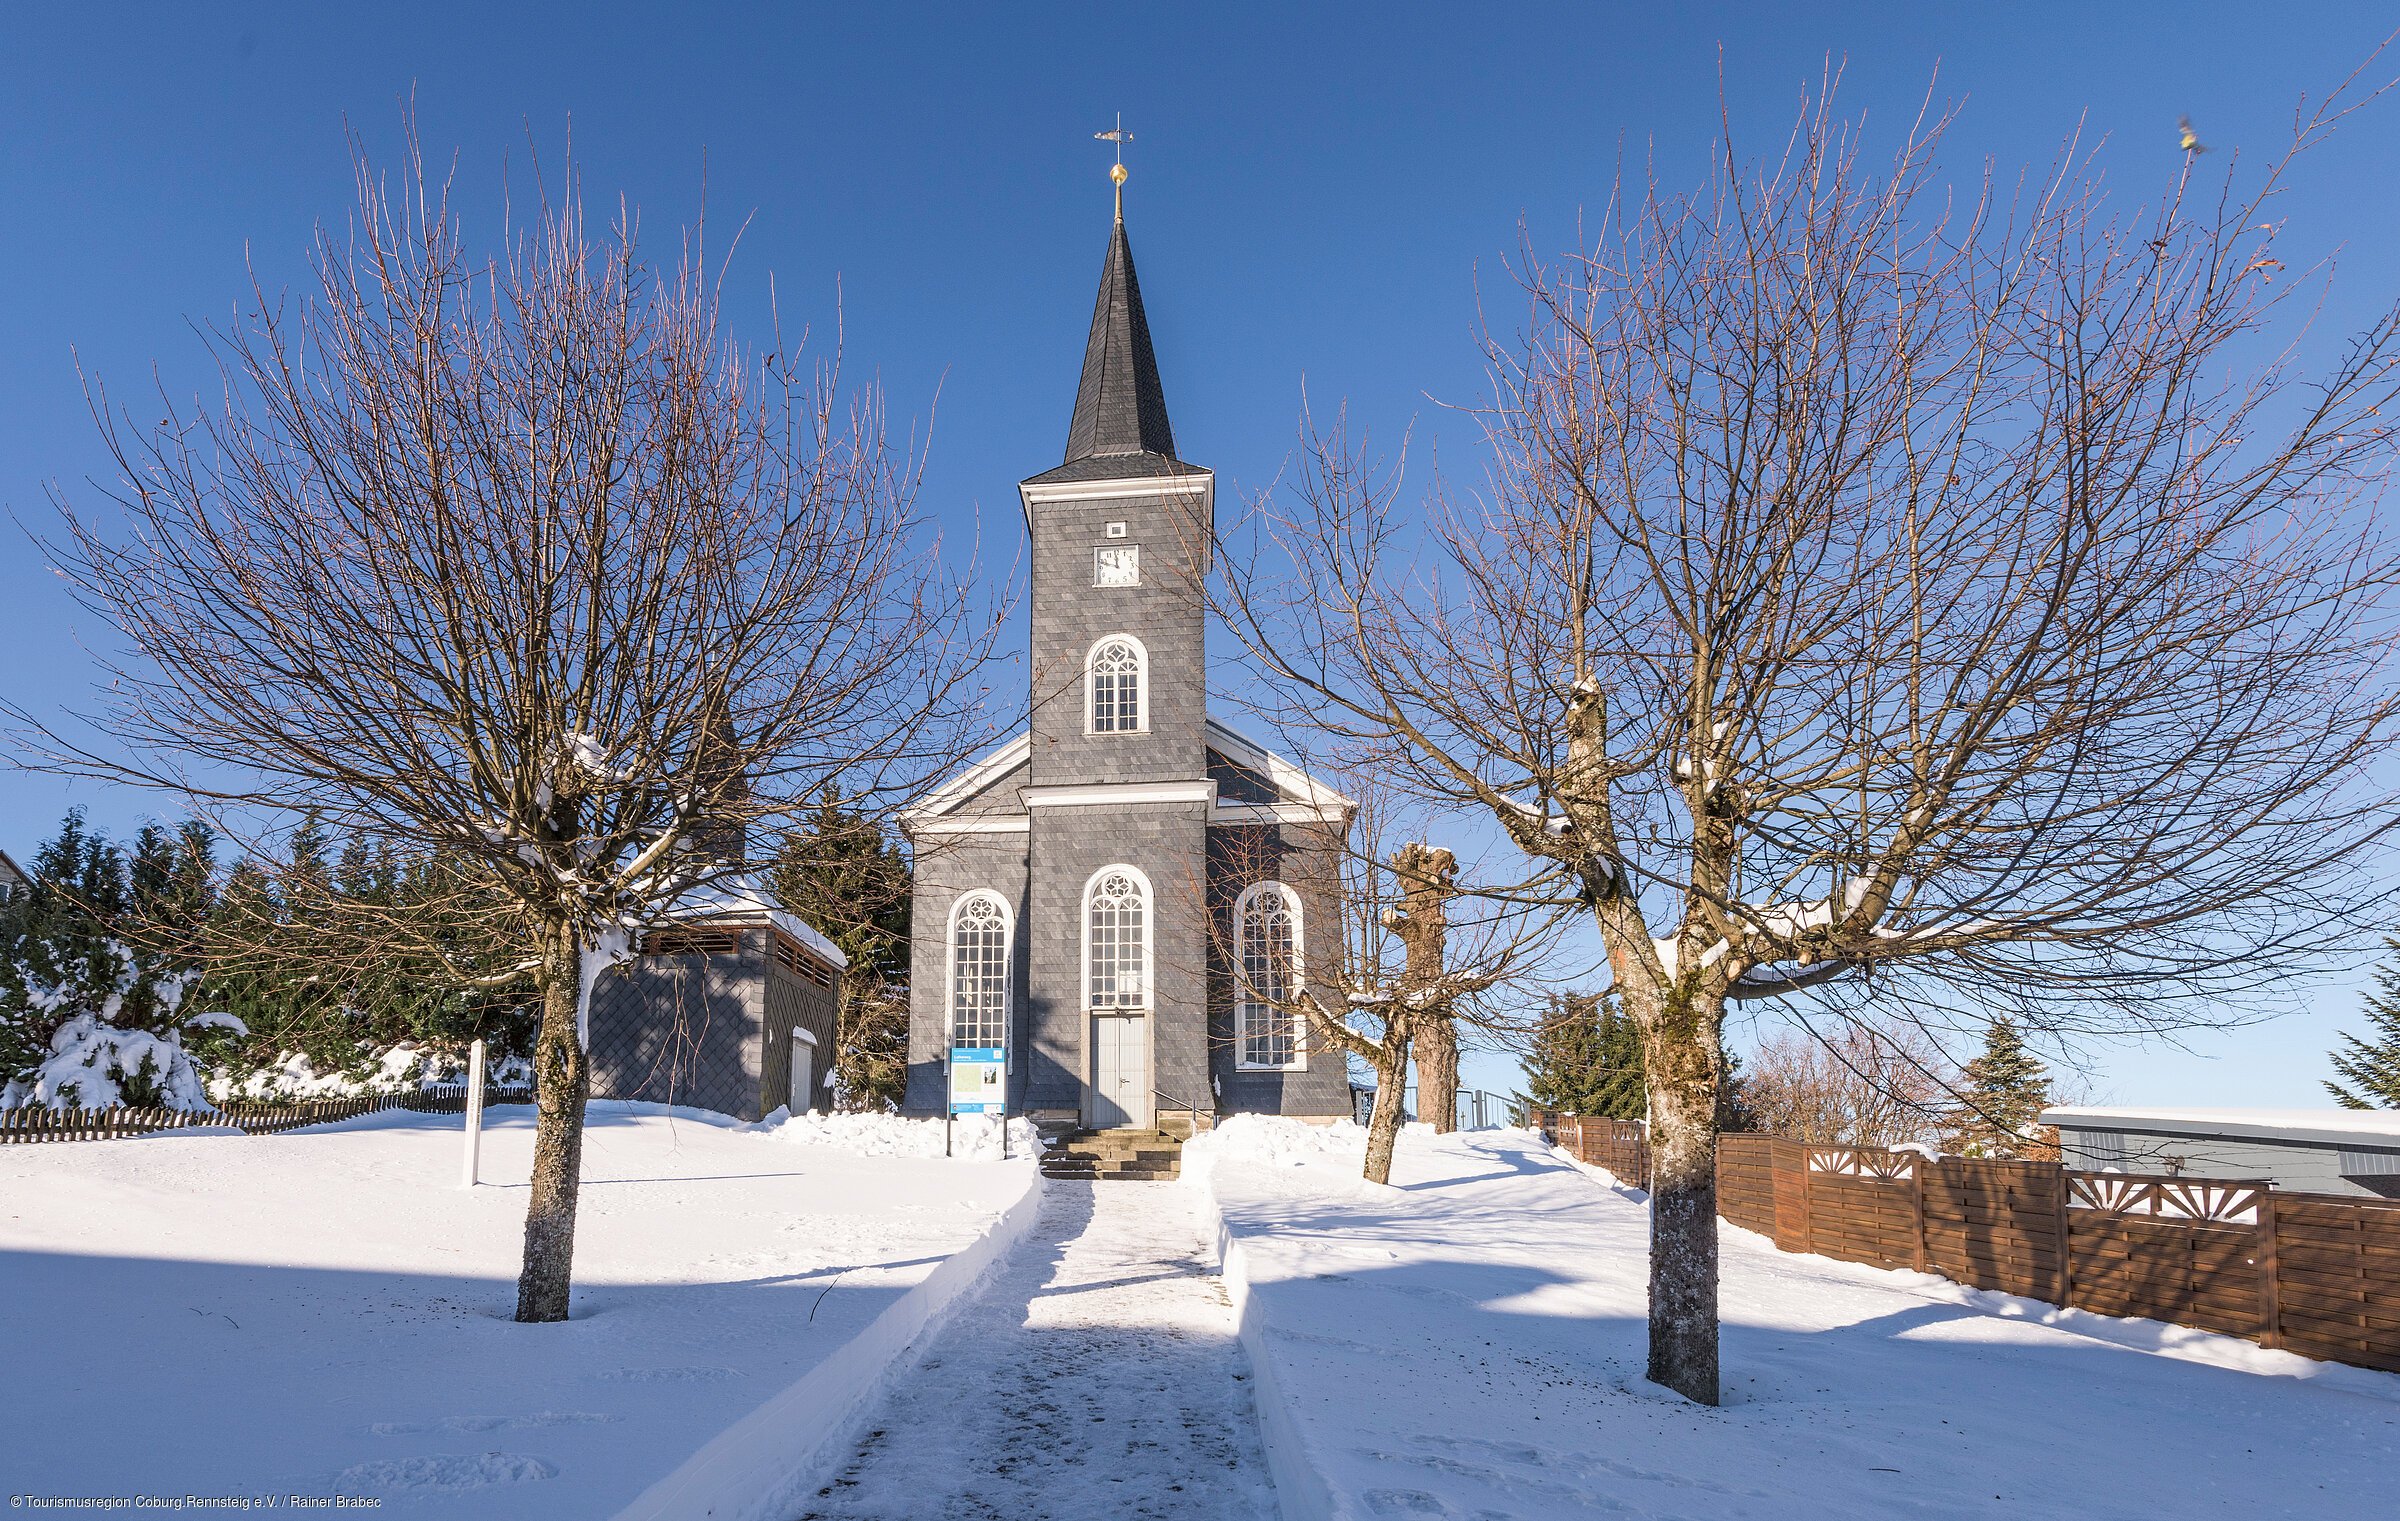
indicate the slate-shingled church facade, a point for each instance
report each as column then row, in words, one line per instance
column 1083, row 893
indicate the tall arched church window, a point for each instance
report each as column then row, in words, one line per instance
column 1116, row 667
column 1116, row 940
column 1266, row 1027
column 979, row 933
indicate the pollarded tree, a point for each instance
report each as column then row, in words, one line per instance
column 523, row 565
column 2370, row 1068
column 1400, row 969
column 1873, row 581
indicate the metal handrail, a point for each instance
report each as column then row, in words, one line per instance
column 1183, row 1103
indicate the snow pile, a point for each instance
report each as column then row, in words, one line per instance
column 972, row 1137
column 396, row 1069
column 1333, row 1153
column 93, row 1065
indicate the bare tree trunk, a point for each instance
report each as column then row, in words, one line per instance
column 1684, row 1060
column 1437, row 1075
column 563, row 1082
column 1391, row 1104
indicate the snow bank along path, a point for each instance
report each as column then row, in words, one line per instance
column 326, row 1311
column 1470, row 1343
column 1096, row 1378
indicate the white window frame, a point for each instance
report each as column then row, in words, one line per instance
column 1008, row 971
column 1243, row 1004
column 1083, row 933
column 1101, row 551
column 1141, row 684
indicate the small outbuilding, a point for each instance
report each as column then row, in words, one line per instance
column 731, row 1008
column 2316, row 1151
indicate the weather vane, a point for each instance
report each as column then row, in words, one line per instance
column 1116, row 173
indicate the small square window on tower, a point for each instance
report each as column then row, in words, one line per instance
column 1117, row 565
column 1116, row 530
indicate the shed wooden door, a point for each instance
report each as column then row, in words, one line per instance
column 1120, row 1072
column 804, row 1071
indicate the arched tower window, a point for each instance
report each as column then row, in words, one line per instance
column 979, row 935
column 1116, row 939
column 1266, row 1029
column 1117, row 666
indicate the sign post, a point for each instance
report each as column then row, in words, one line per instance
column 474, row 1110
column 978, row 1085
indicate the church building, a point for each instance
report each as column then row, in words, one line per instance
column 1085, row 892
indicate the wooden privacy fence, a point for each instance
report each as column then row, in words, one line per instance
column 31, row 1124
column 2309, row 1273
column 1621, row 1146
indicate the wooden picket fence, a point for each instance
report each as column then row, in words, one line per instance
column 2311, row 1273
column 29, row 1124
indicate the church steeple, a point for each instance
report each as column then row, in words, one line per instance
column 1120, row 407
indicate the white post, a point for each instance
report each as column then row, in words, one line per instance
column 474, row 1110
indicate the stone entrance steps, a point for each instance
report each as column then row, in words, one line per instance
column 1114, row 1155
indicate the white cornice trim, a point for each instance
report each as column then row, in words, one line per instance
column 994, row 823
column 1277, row 813
column 1203, row 482
column 1103, row 794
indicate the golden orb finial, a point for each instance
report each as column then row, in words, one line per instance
column 1116, row 171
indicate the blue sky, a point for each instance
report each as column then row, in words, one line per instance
column 1316, row 193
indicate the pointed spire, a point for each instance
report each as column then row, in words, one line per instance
column 1119, row 406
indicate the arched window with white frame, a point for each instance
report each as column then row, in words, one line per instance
column 1116, row 670
column 980, row 930
column 1267, row 1028
column 1116, row 939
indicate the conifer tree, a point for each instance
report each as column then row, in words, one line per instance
column 2370, row 1069
column 2001, row 1096
column 1586, row 1058
column 845, row 879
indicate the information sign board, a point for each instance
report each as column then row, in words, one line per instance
column 978, row 1080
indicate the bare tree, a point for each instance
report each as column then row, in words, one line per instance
column 525, row 563
column 1863, row 1083
column 1873, row 586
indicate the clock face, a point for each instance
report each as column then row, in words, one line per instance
column 1118, row 565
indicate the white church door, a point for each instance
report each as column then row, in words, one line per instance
column 1121, row 1072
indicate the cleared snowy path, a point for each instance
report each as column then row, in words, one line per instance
column 1098, row 1376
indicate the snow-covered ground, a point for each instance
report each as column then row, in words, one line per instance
column 1469, row 1343
column 1098, row 1376
column 327, row 1311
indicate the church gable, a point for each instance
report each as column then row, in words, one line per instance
column 1238, row 783
column 999, row 797
column 1250, row 776
column 989, row 788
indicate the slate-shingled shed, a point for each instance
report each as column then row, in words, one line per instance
column 731, row 1009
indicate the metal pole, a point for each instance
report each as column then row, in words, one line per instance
column 474, row 1111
